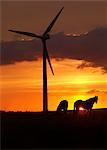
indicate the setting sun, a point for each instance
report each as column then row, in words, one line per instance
column 81, row 108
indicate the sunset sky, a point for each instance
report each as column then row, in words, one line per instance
column 78, row 48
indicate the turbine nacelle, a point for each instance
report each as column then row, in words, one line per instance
column 46, row 36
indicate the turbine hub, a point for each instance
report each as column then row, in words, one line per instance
column 46, row 36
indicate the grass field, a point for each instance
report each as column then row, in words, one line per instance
column 52, row 130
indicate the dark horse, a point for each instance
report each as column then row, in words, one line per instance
column 88, row 104
column 63, row 105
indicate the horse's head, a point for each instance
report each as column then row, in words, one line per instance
column 96, row 99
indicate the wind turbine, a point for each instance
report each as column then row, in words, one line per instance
column 45, row 36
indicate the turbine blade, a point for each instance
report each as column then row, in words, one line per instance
column 25, row 33
column 52, row 23
column 48, row 58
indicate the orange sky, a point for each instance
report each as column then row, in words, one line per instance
column 21, row 85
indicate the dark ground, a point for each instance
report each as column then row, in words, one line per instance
column 51, row 130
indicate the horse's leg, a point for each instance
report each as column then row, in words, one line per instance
column 77, row 109
column 74, row 111
column 65, row 109
column 89, row 113
column 74, row 107
column 59, row 108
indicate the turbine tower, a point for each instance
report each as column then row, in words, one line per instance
column 45, row 36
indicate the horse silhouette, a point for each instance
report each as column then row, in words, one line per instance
column 88, row 104
column 63, row 105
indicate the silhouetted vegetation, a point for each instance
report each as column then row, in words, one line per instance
column 52, row 130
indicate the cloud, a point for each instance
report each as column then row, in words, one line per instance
column 85, row 64
column 96, row 92
column 90, row 47
column 17, row 51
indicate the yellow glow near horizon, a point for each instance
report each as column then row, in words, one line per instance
column 21, row 85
